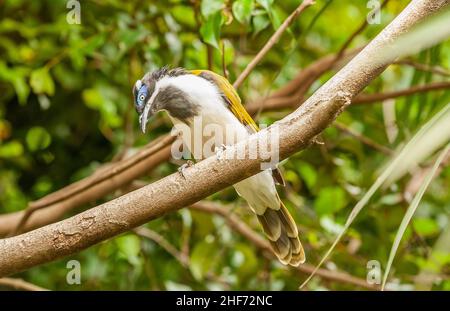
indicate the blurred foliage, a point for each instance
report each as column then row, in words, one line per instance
column 65, row 103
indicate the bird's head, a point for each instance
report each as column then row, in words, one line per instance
column 143, row 90
column 165, row 89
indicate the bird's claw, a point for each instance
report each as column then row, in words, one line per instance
column 219, row 151
column 183, row 167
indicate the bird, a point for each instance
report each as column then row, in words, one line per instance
column 189, row 94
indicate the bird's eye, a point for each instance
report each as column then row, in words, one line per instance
column 141, row 97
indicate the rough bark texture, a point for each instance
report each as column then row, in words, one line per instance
column 52, row 207
column 175, row 191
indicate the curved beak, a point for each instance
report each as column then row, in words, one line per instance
column 144, row 116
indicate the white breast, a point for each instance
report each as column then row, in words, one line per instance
column 217, row 125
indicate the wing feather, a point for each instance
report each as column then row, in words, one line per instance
column 231, row 97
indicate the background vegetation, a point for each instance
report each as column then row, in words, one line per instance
column 66, row 107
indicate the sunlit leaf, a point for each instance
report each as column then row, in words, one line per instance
column 260, row 22
column 242, row 10
column 330, row 200
column 308, row 173
column 11, row 149
column 42, row 82
column 211, row 7
column 38, row 138
column 425, row 226
column 129, row 246
column 202, row 258
column 210, row 30
column 244, row 259
column 265, row 4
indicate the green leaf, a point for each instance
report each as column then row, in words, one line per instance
column 210, row 30
column 11, row 149
column 202, row 259
column 129, row 247
column 425, row 226
column 38, row 138
column 242, row 10
column 276, row 18
column 93, row 98
column 21, row 88
column 16, row 76
column 330, row 200
column 129, row 37
column 42, row 82
column 260, row 22
column 211, row 7
column 42, row 186
column 266, row 4
column 94, row 43
column 244, row 260
column 103, row 98
column 308, row 174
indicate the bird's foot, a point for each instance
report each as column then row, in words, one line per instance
column 183, row 167
column 219, row 151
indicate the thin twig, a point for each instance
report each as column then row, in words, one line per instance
column 370, row 98
column 272, row 41
column 292, row 101
column 161, row 241
column 20, row 284
column 224, row 64
column 424, row 67
column 365, row 140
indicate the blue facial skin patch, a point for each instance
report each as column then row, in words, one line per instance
column 141, row 96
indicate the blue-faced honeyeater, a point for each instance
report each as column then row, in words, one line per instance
column 184, row 95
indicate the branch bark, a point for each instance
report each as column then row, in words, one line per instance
column 20, row 284
column 107, row 179
column 211, row 175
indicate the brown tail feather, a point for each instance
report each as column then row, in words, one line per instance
column 280, row 228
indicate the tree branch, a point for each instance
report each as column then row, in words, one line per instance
column 161, row 241
column 424, row 67
column 105, row 180
column 20, row 284
column 370, row 98
column 365, row 140
column 291, row 101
